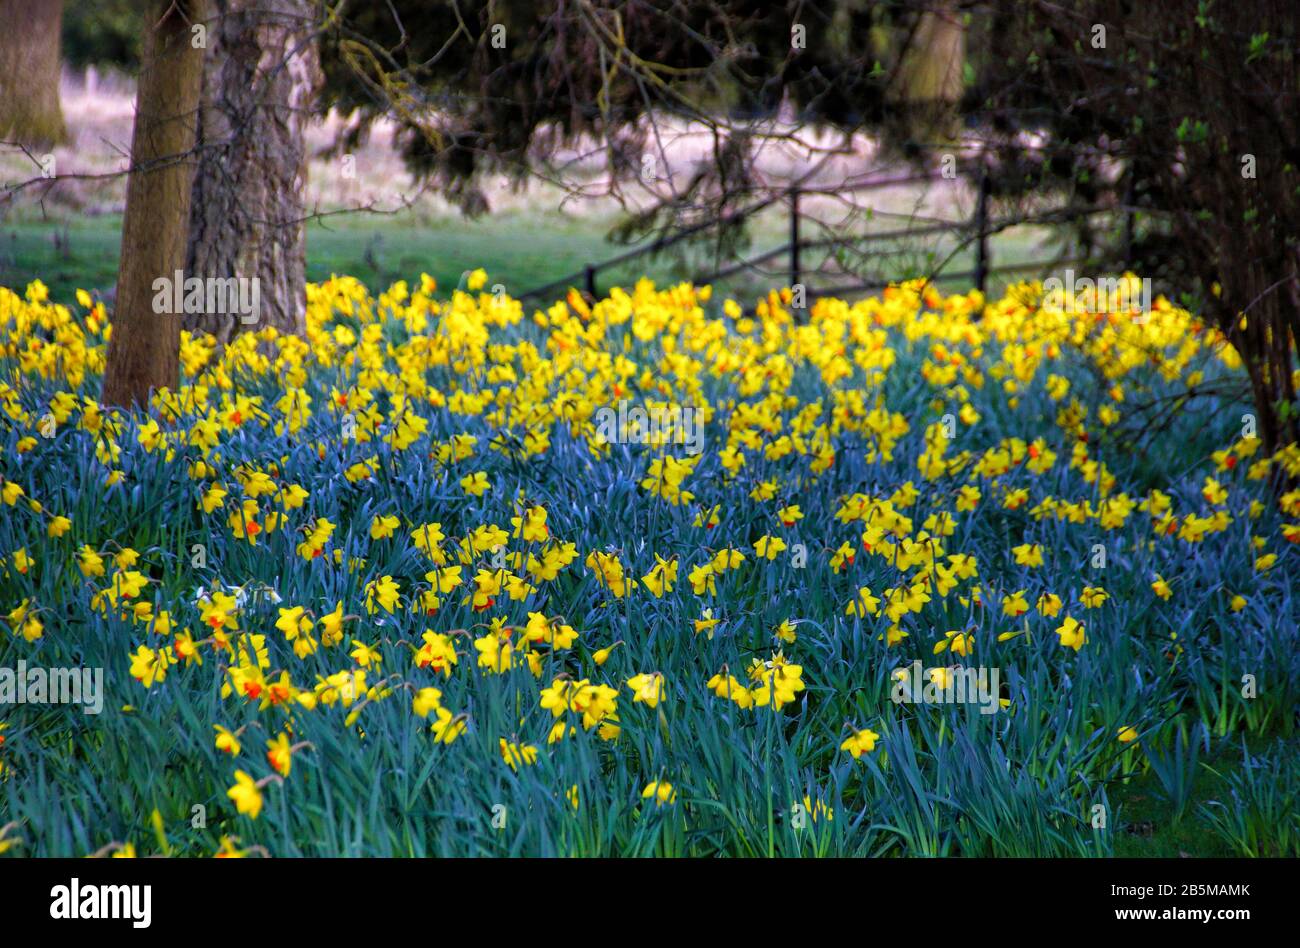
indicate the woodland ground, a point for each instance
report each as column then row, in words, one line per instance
column 402, row 711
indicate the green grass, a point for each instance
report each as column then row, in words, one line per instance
column 521, row 249
column 1151, row 827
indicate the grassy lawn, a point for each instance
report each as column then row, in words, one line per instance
column 522, row 249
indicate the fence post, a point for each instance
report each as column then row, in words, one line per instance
column 589, row 272
column 981, row 227
column 1130, row 218
column 794, row 237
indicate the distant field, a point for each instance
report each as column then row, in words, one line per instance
column 68, row 234
column 521, row 249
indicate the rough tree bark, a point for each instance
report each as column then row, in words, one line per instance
column 29, row 72
column 246, row 219
column 144, row 348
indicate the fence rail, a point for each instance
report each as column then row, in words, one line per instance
column 979, row 229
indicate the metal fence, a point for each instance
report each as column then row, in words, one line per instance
column 978, row 229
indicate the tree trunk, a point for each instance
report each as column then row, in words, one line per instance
column 246, row 218
column 144, row 348
column 30, row 113
column 929, row 82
